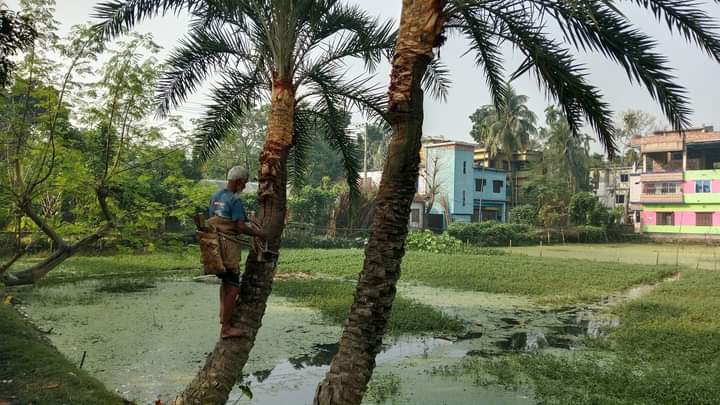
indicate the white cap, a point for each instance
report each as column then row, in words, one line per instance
column 238, row 173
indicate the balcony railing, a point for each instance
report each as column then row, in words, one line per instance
column 649, row 177
column 661, row 198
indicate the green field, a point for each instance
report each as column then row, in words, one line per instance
column 704, row 257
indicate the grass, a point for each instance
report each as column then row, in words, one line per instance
column 687, row 255
column 39, row 373
column 124, row 286
column 667, row 351
column 548, row 280
column 333, row 298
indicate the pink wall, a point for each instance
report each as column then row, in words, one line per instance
column 689, row 186
column 685, row 218
column 716, row 218
column 648, row 218
column 715, row 186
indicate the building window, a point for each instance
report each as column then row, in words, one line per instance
column 703, row 219
column 620, row 199
column 464, row 167
column 624, row 178
column 415, row 216
column 463, row 198
column 660, row 188
column 497, row 186
column 702, row 186
column 506, row 165
column 676, row 156
column 665, row 218
column 480, row 184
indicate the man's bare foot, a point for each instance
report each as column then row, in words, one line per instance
column 230, row 332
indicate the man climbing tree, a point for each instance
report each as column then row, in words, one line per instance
column 228, row 219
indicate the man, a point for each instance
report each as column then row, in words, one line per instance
column 227, row 215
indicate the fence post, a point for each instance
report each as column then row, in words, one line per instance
column 510, row 252
column 541, row 247
column 657, row 258
column 677, row 256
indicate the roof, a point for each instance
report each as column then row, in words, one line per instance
column 447, row 144
column 697, row 135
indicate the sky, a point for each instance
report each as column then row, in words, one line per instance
column 694, row 70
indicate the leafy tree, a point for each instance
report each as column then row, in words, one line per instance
column 505, row 128
column 565, row 156
column 242, row 145
column 489, row 25
column 634, row 123
column 291, row 53
column 16, row 34
column 525, row 214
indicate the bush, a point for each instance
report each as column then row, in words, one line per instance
column 427, row 241
column 524, row 215
column 491, row 233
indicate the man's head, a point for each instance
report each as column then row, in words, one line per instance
column 237, row 178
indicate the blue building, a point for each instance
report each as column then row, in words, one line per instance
column 462, row 192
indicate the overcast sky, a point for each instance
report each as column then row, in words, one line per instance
column 694, row 69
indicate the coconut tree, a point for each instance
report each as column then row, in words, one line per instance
column 585, row 25
column 506, row 128
column 290, row 54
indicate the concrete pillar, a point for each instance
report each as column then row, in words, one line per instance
column 684, row 158
column 644, row 159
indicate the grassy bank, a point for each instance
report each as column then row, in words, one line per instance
column 333, row 299
column 666, row 351
column 38, row 373
column 548, row 280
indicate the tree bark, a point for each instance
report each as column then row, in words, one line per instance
column 351, row 368
column 62, row 250
column 40, row 270
column 223, row 367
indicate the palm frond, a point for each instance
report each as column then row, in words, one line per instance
column 559, row 73
column 231, row 98
column 689, row 20
column 436, row 79
column 120, row 16
column 326, row 81
column 330, row 122
column 202, row 52
column 302, row 142
column 600, row 28
column 484, row 43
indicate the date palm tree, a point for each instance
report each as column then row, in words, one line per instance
column 290, row 54
column 585, row 25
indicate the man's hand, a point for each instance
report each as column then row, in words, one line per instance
column 249, row 228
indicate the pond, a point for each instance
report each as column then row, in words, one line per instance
column 146, row 340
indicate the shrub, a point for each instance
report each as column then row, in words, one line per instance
column 491, row 233
column 523, row 214
column 427, row 241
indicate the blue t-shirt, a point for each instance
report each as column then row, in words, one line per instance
column 227, row 204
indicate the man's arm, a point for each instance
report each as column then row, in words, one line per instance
column 245, row 228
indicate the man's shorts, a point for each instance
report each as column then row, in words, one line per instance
column 230, row 277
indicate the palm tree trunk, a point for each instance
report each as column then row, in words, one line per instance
column 351, row 368
column 223, row 367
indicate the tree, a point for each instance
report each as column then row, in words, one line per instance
column 565, row 156
column 506, row 128
column 292, row 54
column 16, row 34
column 114, row 107
column 433, row 185
column 634, row 124
column 593, row 25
